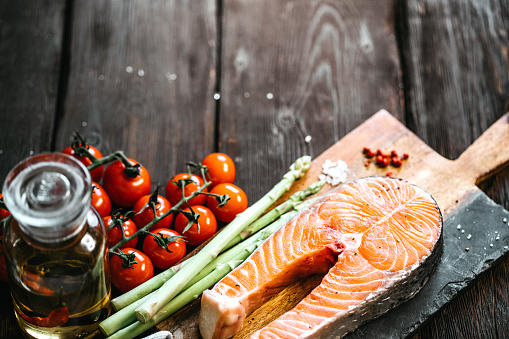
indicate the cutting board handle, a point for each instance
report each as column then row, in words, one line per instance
column 489, row 153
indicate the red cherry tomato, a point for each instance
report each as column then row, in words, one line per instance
column 127, row 278
column 238, row 202
column 115, row 234
column 143, row 218
column 221, row 168
column 158, row 255
column 3, row 213
column 97, row 173
column 100, row 200
column 122, row 189
column 206, row 220
column 174, row 192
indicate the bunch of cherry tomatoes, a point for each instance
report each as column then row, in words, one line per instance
column 122, row 197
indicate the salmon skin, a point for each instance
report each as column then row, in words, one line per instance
column 376, row 239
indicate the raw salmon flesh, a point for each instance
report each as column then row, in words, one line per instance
column 376, row 239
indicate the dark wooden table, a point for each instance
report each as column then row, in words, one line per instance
column 171, row 81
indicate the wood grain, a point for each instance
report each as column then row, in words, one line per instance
column 142, row 79
column 30, row 60
column 454, row 57
column 321, row 69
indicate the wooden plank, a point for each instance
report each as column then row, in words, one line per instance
column 319, row 71
column 31, row 37
column 30, row 57
column 456, row 80
column 142, row 79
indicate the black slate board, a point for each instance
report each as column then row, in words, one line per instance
column 488, row 226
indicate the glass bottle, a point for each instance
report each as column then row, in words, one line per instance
column 55, row 247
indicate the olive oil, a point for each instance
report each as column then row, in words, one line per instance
column 55, row 247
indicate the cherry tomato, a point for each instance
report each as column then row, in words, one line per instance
column 158, row 255
column 97, row 173
column 122, row 189
column 3, row 213
column 174, row 192
column 100, row 200
column 221, row 168
column 127, row 278
column 238, row 202
column 206, row 220
column 143, row 218
column 115, row 234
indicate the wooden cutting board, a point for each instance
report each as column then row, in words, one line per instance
column 466, row 210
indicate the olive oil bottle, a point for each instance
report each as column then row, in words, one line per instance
column 55, row 247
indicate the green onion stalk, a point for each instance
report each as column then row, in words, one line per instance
column 209, row 252
column 142, row 290
column 124, row 324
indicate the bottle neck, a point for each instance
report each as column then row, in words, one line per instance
column 49, row 196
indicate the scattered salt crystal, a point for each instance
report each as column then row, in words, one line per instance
column 504, row 220
column 308, row 138
column 246, row 95
column 462, row 231
column 334, row 172
column 129, row 69
column 217, row 96
column 506, row 247
column 458, row 227
column 171, row 76
column 141, row 72
column 469, row 237
column 467, row 249
column 31, row 152
column 84, row 124
column 270, row 96
column 497, row 238
column 491, row 245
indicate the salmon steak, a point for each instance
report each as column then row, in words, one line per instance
column 376, row 240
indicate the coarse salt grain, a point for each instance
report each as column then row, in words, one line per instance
column 334, row 172
column 469, row 236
